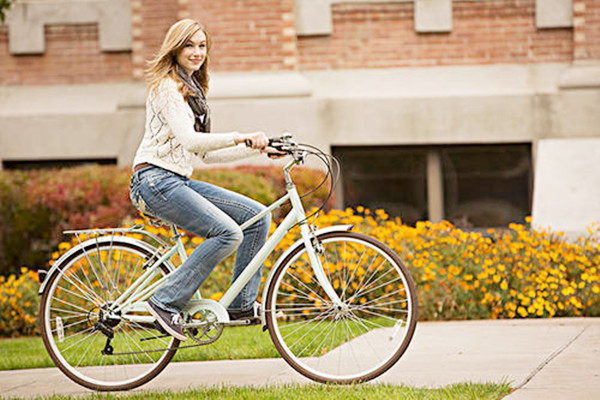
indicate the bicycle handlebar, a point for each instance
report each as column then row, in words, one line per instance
column 281, row 143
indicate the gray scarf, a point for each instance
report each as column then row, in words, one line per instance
column 197, row 102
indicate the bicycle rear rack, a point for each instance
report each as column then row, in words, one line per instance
column 95, row 233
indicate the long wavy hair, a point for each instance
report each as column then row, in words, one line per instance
column 165, row 63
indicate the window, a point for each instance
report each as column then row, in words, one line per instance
column 391, row 178
column 470, row 185
column 41, row 164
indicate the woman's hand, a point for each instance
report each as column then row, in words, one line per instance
column 256, row 140
column 273, row 153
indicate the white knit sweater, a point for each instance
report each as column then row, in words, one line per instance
column 170, row 140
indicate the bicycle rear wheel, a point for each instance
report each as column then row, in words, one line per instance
column 362, row 338
column 92, row 345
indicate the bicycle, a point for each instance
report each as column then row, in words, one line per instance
column 339, row 306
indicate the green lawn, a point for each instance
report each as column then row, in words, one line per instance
column 243, row 342
column 466, row 391
column 236, row 343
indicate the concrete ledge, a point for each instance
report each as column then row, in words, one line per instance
column 27, row 20
column 258, row 85
column 433, row 16
column 553, row 13
column 580, row 77
column 110, row 97
column 314, row 18
column 446, row 81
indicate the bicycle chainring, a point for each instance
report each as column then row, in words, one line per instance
column 205, row 331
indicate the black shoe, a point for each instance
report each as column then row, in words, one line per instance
column 159, row 327
column 170, row 322
column 250, row 315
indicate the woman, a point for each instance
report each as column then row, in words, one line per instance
column 176, row 131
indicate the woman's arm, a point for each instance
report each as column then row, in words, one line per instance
column 229, row 154
column 175, row 110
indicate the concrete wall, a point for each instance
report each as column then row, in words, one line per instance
column 567, row 183
column 442, row 105
column 484, row 104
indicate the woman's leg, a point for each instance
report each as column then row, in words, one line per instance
column 240, row 208
column 170, row 197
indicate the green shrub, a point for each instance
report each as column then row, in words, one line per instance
column 37, row 206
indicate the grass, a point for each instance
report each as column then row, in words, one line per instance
column 246, row 342
column 236, row 343
column 486, row 391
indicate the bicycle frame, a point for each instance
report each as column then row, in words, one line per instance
column 138, row 292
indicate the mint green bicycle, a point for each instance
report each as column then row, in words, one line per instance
column 339, row 306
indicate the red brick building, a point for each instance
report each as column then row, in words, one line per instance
column 434, row 81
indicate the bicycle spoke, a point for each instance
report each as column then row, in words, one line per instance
column 73, row 306
column 323, row 317
column 378, row 287
column 312, row 291
column 73, row 313
column 349, row 330
column 89, row 292
column 385, row 297
column 366, row 321
column 380, row 315
column 349, row 281
column 303, row 296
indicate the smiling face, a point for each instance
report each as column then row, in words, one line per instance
column 193, row 53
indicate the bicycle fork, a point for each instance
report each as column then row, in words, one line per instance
column 313, row 247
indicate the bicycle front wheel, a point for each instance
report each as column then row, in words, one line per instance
column 351, row 342
column 91, row 343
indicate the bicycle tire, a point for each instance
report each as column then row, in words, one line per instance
column 296, row 301
column 72, row 305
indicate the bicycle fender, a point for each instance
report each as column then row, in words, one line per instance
column 92, row 242
column 294, row 246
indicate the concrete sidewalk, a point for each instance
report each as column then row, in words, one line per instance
column 541, row 359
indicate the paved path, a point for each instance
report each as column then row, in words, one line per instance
column 542, row 359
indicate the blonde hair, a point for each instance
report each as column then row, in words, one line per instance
column 165, row 64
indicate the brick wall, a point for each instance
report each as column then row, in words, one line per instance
column 248, row 35
column 150, row 21
column 586, row 26
column 259, row 35
column 72, row 56
column 374, row 36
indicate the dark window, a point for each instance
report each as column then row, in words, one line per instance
column 487, row 185
column 391, row 178
column 482, row 185
column 41, row 164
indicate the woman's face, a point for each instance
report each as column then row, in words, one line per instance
column 192, row 55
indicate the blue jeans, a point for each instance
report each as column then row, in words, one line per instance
column 207, row 211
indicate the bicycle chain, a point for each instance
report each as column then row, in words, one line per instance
column 157, row 350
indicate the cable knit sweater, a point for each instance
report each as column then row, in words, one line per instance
column 170, row 141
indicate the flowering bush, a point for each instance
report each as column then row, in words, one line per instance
column 516, row 272
column 19, row 304
column 511, row 273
